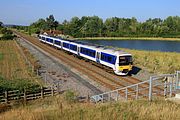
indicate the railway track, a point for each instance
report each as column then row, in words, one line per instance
column 106, row 79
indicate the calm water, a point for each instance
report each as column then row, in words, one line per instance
column 165, row 46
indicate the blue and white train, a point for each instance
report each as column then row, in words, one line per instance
column 119, row 61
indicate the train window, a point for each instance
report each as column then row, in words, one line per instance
column 66, row 45
column 57, row 42
column 108, row 58
column 73, row 47
column 88, row 52
column 51, row 40
column 125, row 60
column 43, row 38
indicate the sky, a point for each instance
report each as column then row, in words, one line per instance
column 25, row 12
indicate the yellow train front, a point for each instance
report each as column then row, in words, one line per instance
column 124, row 64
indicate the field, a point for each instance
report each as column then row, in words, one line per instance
column 12, row 63
column 156, row 62
column 57, row 108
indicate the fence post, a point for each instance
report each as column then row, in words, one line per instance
column 52, row 91
column 165, row 88
column 45, row 78
column 102, row 97
column 6, row 96
column 117, row 95
column 58, row 88
column 150, row 89
column 25, row 95
column 137, row 91
column 42, row 92
column 170, row 89
column 126, row 93
column 177, row 80
column 109, row 97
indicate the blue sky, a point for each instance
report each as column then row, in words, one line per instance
column 24, row 12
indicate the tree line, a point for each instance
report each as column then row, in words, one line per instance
column 94, row 26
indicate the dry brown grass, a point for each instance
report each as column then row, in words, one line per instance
column 56, row 108
column 13, row 65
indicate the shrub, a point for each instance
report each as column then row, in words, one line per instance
column 7, row 37
column 70, row 96
column 17, row 84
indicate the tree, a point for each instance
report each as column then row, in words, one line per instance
column 1, row 23
column 93, row 27
column 111, row 25
column 52, row 24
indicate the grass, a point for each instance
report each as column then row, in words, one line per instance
column 57, row 108
column 129, row 38
column 155, row 61
column 13, row 66
column 1, row 56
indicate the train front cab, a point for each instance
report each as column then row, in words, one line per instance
column 125, row 65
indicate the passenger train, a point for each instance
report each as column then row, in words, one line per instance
column 119, row 61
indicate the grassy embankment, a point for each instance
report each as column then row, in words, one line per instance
column 155, row 61
column 14, row 71
column 129, row 38
column 57, row 108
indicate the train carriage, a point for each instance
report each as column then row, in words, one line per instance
column 119, row 61
column 74, row 48
column 88, row 52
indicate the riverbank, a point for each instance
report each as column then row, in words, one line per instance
column 129, row 38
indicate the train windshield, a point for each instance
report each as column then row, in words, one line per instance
column 125, row 60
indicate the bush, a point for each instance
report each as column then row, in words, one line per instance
column 7, row 37
column 18, row 84
column 70, row 96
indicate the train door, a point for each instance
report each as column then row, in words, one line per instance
column 78, row 51
column 98, row 57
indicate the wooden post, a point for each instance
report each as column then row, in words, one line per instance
column 42, row 92
column 58, row 88
column 6, row 96
column 52, row 91
column 25, row 97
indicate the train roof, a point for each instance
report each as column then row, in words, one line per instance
column 95, row 46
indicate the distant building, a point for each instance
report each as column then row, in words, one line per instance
column 53, row 32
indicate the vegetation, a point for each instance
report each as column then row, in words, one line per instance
column 94, row 26
column 14, row 72
column 57, row 108
column 5, row 34
column 155, row 61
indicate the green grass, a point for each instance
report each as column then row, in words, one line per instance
column 1, row 56
column 57, row 108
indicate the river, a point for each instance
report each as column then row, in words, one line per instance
column 155, row 45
